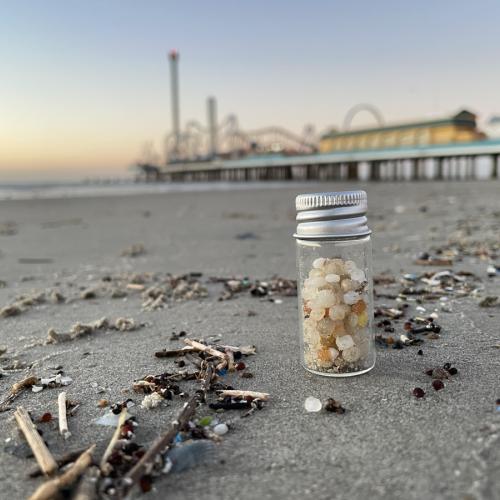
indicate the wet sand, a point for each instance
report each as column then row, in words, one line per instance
column 388, row 445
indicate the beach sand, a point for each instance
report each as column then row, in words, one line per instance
column 388, row 445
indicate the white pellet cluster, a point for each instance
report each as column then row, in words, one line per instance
column 336, row 323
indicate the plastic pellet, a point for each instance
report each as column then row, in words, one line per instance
column 312, row 404
column 221, row 429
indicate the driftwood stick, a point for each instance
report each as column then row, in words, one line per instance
column 146, row 463
column 142, row 386
column 170, row 353
column 237, row 405
column 16, row 389
column 198, row 346
column 63, row 419
column 42, row 454
column 206, row 379
column 264, row 396
column 61, row 461
column 87, row 486
column 52, row 488
column 164, row 441
column 136, row 286
column 111, row 446
column 434, row 262
column 230, row 360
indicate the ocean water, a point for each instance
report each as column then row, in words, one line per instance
column 48, row 190
column 29, row 191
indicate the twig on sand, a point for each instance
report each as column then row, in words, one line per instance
column 104, row 466
column 63, row 419
column 198, row 346
column 264, row 396
column 61, row 461
column 53, row 487
column 164, row 441
column 16, row 389
column 42, row 454
column 136, row 286
column 170, row 353
column 230, row 360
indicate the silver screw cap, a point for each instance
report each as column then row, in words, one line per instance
column 332, row 215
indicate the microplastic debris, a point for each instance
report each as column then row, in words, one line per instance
column 134, row 250
column 152, row 400
column 489, row 301
column 205, row 421
column 186, row 456
column 109, row 419
column 437, row 384
column 221, row 429
column 418, row 392
column 247, row 236
column 491, row 271
column 334, row 406
column 312, row 404
column 410, row 277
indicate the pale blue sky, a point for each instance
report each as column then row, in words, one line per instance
column 84, row 84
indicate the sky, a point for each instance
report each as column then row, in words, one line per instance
column 84, row 84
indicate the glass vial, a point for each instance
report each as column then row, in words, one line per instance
column 335, row 283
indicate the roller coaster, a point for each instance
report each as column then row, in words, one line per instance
column 194, row 142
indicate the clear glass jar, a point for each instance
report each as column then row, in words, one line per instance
column 335, row 283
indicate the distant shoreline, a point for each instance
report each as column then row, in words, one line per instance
column 85, row 189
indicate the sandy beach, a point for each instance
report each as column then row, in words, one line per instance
column 387, row 445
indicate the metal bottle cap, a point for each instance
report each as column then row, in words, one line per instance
column 331, row 215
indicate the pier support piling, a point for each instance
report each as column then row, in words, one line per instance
column 494, row 166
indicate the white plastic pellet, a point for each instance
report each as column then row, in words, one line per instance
column 312, row 404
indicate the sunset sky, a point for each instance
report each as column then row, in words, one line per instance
column 84, row 84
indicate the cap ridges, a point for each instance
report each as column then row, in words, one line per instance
column 331, row 200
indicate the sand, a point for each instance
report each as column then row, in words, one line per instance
column 388, row 445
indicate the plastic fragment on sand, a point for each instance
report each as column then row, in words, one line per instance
column 312, row 404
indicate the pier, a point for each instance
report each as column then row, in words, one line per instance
column 437, row 162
